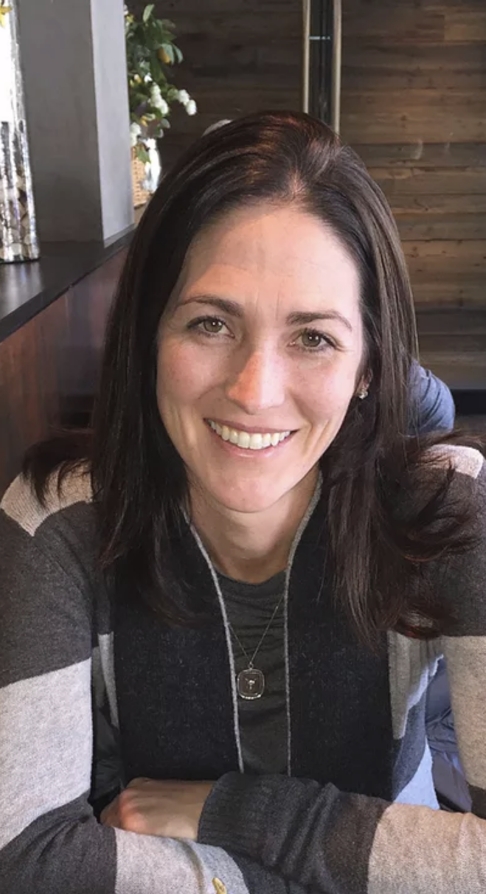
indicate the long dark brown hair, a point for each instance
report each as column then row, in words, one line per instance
column 384, row 517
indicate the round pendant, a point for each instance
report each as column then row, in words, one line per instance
column 251, row 683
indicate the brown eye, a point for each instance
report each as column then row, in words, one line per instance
column 311, row 339
column 211, row 325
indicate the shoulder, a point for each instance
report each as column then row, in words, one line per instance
column 21, row 504
column 459, row 574
column 458, row 472
column 466, row 461
column 49, row 548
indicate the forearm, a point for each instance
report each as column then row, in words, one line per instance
column 58, row 854
column 338, row 843
column 50, row 842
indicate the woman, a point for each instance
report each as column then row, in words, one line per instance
column 253, row 570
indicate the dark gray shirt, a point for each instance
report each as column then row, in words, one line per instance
column 263, row 723
column 263, row 726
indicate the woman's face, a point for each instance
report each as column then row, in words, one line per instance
column 260, row 352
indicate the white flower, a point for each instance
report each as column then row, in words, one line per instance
column 157, row 99
column 161, row 105
column 150, row 144
column 191, row 107
column 147, row 79
column 183, row 97
column 135, row 131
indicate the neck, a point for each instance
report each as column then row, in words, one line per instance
column 251, row 547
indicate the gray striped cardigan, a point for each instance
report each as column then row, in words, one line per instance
column 257, row 834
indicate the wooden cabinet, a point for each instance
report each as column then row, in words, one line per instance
column 49, row 366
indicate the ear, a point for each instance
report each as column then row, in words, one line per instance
column 364, row 385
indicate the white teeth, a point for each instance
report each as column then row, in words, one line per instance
column 256, row 441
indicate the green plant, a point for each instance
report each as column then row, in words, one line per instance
column 151, row 52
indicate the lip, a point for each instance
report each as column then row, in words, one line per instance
column 244, row 452
column 251, row 429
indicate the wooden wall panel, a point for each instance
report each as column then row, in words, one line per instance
column 411, row 114
column 240, row 56
column 413, row 180
column 443, row 227
column 465, row 22
column 414, row 107
column 431, row 156
column 426, row 66
column 49, row 367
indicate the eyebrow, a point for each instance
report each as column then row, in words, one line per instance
column 296, row 318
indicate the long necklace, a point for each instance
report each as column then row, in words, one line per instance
column 250, row 682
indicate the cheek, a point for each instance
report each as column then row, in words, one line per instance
column 327, row 393
column 173, row 379
column 177, row 381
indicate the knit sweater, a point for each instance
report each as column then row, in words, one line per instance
column 59, row 684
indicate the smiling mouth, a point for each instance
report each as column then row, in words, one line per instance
column 253, row 441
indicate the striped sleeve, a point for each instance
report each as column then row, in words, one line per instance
column 340, row 843
column 50, row 841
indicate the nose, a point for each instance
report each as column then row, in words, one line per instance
column 259, row 382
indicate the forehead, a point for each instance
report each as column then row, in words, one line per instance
column 279, row 252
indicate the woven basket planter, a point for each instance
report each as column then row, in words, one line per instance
column 140, row 195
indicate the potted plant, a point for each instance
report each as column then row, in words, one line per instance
column 151, row 54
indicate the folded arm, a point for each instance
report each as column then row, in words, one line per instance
column 340, row 843
column 50, row 841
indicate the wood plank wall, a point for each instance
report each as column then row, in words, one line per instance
column 414, row 107
column 240, row 56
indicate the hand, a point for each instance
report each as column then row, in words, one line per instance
column 169, row 809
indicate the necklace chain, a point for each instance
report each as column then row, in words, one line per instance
column 267, row 628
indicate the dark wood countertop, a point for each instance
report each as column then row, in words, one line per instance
column 28, row 287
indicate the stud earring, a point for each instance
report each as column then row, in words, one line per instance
column 363, row 393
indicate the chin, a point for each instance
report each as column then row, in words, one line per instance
column 247, row 498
